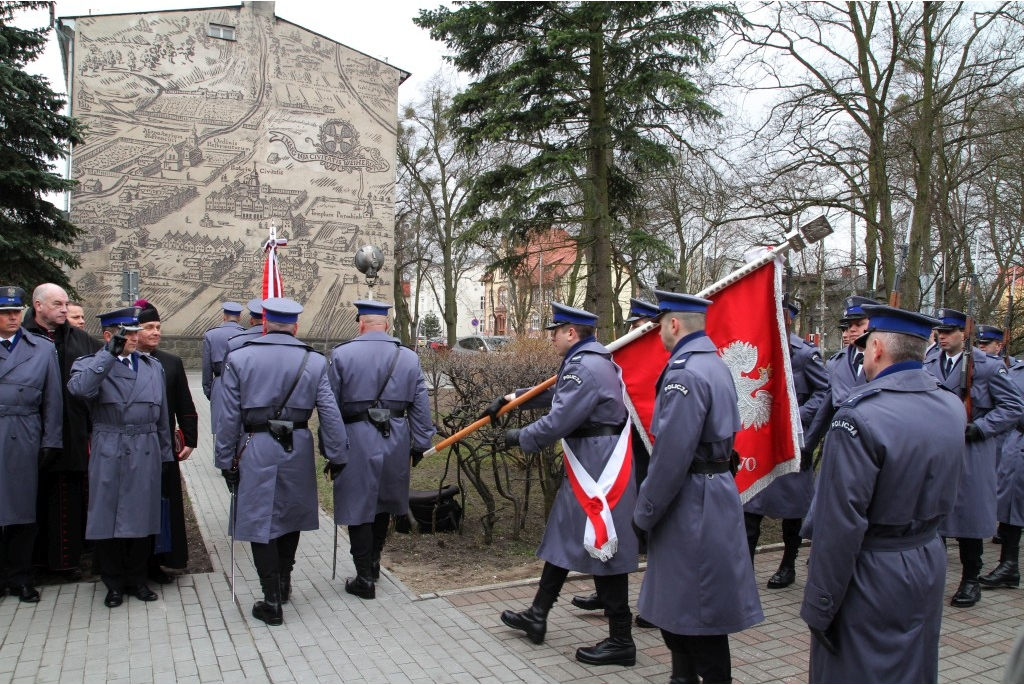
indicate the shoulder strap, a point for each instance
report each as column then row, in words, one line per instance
column 305, row 358
column 387, row 376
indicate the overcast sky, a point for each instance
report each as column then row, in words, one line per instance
column 381, row 29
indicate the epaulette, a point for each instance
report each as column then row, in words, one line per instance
column 852, row 400
column 681, row 362
column 836, row 355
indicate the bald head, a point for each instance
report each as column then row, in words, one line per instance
column 50, row 302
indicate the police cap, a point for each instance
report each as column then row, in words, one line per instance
column 791, row 308
column 990, row 334
column 255, row 307
column 232, row 308
column 681, row 302
column 12, row 297
column 641, row 309
column 127, row 317
column 562, row 314
column 950, row 319
column 886, row 319
column 281, row 310
column 371, row 308
column 853, row 308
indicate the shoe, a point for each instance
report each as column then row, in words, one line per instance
column 996, row 540
column 362, row 587
column 618, row 649
column 71, row 575
column 589, row 603
column 160, row 577
column 533, row 621
column 143, row 592
column 26, row 593
column 114, row 598
column 642, row 622
column 1006, row 574
column 784, row 577
column 269, row 609
column 967, row 595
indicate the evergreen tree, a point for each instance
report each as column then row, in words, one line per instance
column 588, row 91
column 33, row 133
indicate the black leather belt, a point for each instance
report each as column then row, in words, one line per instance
column 363, row 416
column 596, row 431
column 709, row 467
column 265, row 427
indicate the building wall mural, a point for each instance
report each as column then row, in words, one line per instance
column 197, row 142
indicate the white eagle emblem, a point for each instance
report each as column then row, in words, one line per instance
column 755, row 404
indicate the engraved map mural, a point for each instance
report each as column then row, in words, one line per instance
column 204, row 126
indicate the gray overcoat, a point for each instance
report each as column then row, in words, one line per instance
column 877, row 566
column 277, row 488
column 31, row 418
column 699, row 579
column 376, row 480
column 1010, row 476
column 215, row 349
column 843, row 379
column 588, row 393
column 131, row 438
column 789, row 496
column 997, row 405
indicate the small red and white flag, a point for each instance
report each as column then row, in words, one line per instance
column 272, row 285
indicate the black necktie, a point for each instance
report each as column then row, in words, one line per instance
column 6, row 344
column 858, row 362
column 127, row 362
column 949, row 367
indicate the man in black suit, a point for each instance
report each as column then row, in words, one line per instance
column 182, row 412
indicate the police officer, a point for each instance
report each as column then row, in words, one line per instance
column 640, row 312
column 127, row 400
column 31, row 417
column 990, row 340
column 383, row 399
column 1009, row 500
column 788, row 497
column 873, row 599
column 588, row 412
column 845, row 369
column 215, row 348
column 255, row 329
column 996, row 407
column 699, row 585
column 265, row 450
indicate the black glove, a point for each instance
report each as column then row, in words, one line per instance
column 332, row 471
column 231, row 477
column 47, row 456
column 493, row 408
column 827, row 639
column 641, row 534
column 973, row 433
column 806, row 460
column 416, row 456
column 115, row 345
column 510, row 438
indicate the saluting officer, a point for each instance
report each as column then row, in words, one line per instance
column 845, row 369
column 383, row 399
column 31, row 417
column 640, row 312
column 788, row 497
column 255, row 329
column 873, row 599
column 131, row 438
column 1009, row 499
column 215, row 348
column 699, row 585
column 996, row 407
column 265, row 449
column 588, row 413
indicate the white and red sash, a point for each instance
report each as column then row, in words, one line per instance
column 599, row 498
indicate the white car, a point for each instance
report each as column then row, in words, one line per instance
column 480, row 343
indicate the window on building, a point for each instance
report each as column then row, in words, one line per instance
column 502, row 296
column 221, row 31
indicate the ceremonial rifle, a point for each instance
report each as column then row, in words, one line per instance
column 811, row 232
column 897, row 284
column 1007, row 323
column 967, row 367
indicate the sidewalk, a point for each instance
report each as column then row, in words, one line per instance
column 195, row 633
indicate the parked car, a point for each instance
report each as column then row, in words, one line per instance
column 480, row 343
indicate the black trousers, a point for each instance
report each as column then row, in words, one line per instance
column 121, row 562
column 1010, row 535
column 971, row 550
column 275, row 556
column 706, row 656
column 790, row 536
column 613, row 591
column 60, row 515
column 16, row 543
column 367, row 539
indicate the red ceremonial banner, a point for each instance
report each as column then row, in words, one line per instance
column 746, row 324
column 642, row 362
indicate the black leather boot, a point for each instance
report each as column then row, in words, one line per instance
column 968, row 594
column 617, row 649
column 589, row 603
column 1006, row 574
column 286, row 579
column 362, row 585
column 533, row 621
column 784, row 577
column 684, row 670
column 269, row 610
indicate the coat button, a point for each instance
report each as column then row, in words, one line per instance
column 824, row 601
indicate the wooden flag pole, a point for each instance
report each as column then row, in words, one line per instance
column 797, row 240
